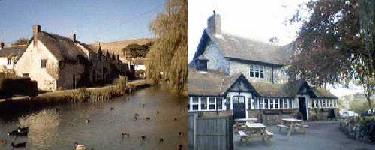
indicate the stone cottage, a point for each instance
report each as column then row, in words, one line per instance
column 9, row 57
column 58, row 62
column 248, row 78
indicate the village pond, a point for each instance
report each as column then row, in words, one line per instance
column 162, row 120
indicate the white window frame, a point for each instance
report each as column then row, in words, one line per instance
column 209, row 103
column 192, row 104
column 261, row 102
column 257, row 69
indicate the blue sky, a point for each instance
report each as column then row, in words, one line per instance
column 91, row 20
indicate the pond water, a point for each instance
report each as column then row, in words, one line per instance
column 99, row 125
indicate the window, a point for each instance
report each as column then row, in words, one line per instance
column 219, row 102
column 285, row 103
column 281, row 103
column 266, row 104
column 25, row 74
column 249, row 103
column 256, row 103
column 324, row 103
column 203, row 103
column 211, row 103
column 272, row 103
column 256, row 71
column 290, row 103
column 195, row 103
column 261, row 103
column 277, row 103
column 9, row 61
column 43, row 63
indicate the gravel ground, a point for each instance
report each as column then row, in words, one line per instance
column 319, row 136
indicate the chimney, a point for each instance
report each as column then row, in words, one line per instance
column 74, row 37
column 2, row 45
column 36, row 32
column 214, row 24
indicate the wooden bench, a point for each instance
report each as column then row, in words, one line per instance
column 281, row 126
column 243, row 136
column 269, row 135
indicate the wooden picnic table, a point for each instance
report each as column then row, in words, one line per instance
column 292, row 123
column 246, row 120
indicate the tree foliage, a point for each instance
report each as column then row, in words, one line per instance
column 22, row 42
column 135, row 50
column 168, row 55
column 336, row 44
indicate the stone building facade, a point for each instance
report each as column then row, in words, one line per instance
column 58, row 62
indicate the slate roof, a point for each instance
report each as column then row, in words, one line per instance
column 213, row 83
column 11, row 52
column 238, row 48
column 63, row 48
column 208, row 83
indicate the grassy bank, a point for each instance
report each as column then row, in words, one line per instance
column 82, row 95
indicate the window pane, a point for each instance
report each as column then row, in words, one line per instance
column 266, row 103
column 285, row 103
column 251, row 74
column 261, row 74
column 211, row 107
column 195, row 107
column 257, row 74
column 195, row 99
column 276, row 103
column 290, row 103
column 212, row 100
column 219, row 103
column 203, row 103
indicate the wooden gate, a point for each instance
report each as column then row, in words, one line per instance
column 210, row 133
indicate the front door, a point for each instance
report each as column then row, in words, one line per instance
column 239, row 110
column 302, row 107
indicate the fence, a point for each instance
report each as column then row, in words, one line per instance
column 210, row 132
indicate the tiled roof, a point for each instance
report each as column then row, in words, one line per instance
column 212, row 83
column 10, row 52
column 63, row 48
column 245, row 49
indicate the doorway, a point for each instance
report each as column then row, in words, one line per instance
column 302, row 107
column 239, row 110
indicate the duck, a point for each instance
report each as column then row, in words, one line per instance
column 148, row 118
column 180, row 147
column 79, row 146
column 143, row 137
column 18, row 145
column 136, row 116
column 87, row 121
column 175, row 119
column 161, row 140
column 123, row 134
column 111, row 108
column 24, row 131
column 3, row 142
column 180, row 133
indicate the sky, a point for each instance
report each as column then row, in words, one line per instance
column 254, row 19
column 91, row 20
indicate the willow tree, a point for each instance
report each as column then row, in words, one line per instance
column 167, row 59
column 336, row 44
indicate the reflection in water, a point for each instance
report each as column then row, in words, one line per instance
column 43, row 126
column 162, row 115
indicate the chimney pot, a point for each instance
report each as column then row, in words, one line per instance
column 36, row 30
column 74, row 37
column 214, row 23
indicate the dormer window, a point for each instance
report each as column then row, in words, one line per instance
column 256, row 71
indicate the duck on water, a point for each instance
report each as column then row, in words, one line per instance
column 20, row 131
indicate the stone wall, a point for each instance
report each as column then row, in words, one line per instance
column 30, row 63
column 279, row 75
column 272, row 117
column 216, row 58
